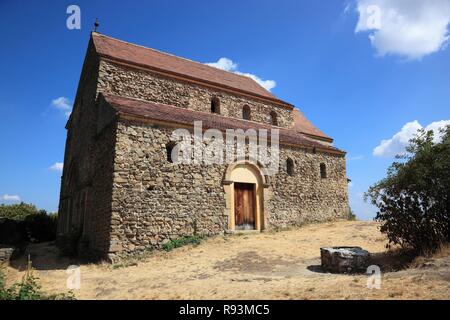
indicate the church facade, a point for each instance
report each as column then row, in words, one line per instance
column 121, row 191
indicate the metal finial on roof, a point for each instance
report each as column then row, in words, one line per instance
column 96, row 24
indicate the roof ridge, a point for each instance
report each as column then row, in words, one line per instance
column 178, row 57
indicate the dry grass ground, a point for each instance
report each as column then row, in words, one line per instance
column 271, row 265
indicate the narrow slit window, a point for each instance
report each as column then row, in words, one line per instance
column 215, row 105
column 246, row 115
column 273, row 118
column 290, row 166
column 169, row 148
column 323, row 171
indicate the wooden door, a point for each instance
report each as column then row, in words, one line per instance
column 244, row 206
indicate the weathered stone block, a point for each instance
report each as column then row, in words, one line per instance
column 344, row 259
column 5, row 254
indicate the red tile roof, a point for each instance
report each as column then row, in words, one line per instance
column 303, row 125
column 165, row 113
column 125, row 52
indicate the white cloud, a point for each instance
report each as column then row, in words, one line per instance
column 224, row 64
column 228, row 65
column 58, row 166
column 409, row 28
column 347, row 7
column 12, row 198
column 63, row 104
column 266, row 84
column 398, row 142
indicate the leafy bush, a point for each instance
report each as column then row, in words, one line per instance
column 351, row 215
column 17, row 211
column 172, row 244
column 28, row 289
column 414, row 199
column 12, row 232
column 41, row 226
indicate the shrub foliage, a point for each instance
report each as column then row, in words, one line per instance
column 351, row 215
column 28, row 289
column 17, row 211
column 414, row 199
column 39, row 225
column 180, row 242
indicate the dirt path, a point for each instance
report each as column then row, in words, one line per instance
column 278, row 265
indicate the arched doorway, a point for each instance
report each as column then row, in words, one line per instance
column 244, row 186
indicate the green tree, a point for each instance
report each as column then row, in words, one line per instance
column 39, row 225
column 413, row 200
column 17, row 211
column 351, row 215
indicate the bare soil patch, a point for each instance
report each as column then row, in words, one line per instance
column 270, row 265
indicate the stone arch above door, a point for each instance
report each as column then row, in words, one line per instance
column 249, row 173
column 256, row 167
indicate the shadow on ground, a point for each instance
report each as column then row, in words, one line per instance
column 393, row 260
column 316, row 268
column 43, row 256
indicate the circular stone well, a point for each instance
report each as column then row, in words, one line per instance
column 344, row 259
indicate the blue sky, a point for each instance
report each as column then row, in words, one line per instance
column 358, row 90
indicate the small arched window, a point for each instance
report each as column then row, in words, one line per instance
column 215, row 105
column 169, row 148
column 273, row 118
column 246, row 115
column 323, row 171
column 290, row 166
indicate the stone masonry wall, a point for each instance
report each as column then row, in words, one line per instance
column 121, row 192
column 79, row 159
column 86, row 185
column 155, row 200
column 139, row 84
column 98, row 222
column 304, row 196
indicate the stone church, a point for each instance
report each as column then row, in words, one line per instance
column 121, row 192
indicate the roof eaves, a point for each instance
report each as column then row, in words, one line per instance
column 127, row 115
